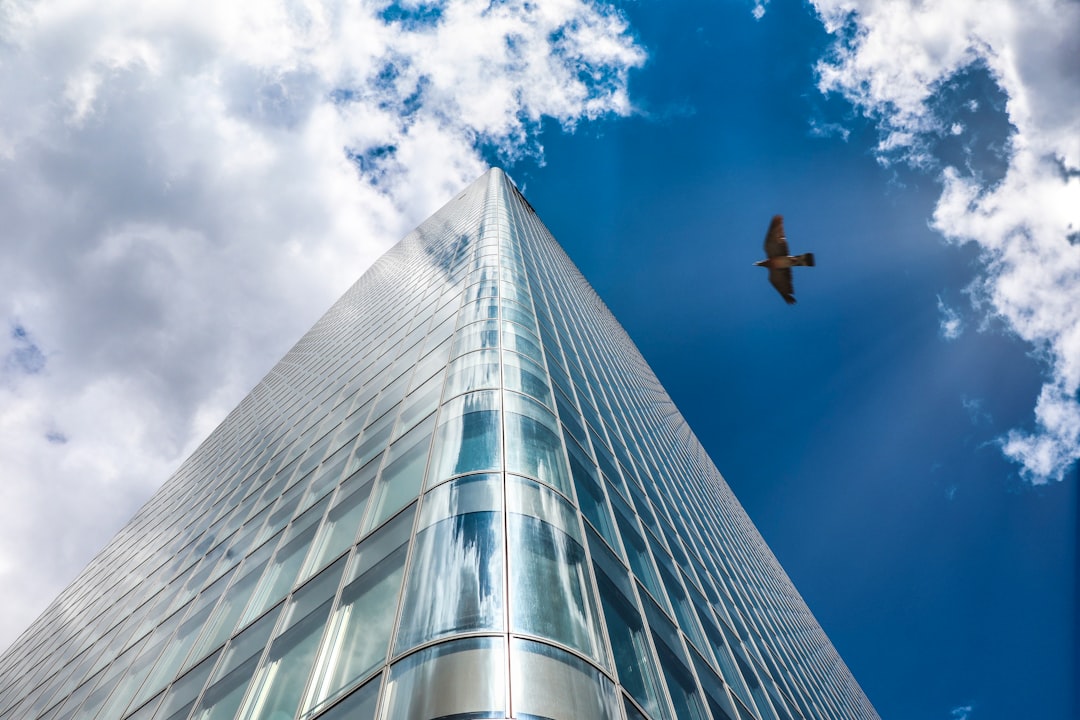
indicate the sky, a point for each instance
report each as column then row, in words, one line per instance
column 186, row 186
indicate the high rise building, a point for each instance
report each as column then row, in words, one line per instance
column 462, row 494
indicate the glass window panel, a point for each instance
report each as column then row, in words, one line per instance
column 354, row 423
column 430, row 364
column 551, row 590
column 558, row 374
column 67, row 709
column 475, row 371
column 716, row 696
column 761, row 702
column 328, row 474
column 226, row 691
column 314, row 454
column 632, row 712
column 526, row 376
column 321, row 588
column 456, row 580
column 391, row 395
column 311, row 518
column 203, row 646
column 221, row 700
column 145, row 712
column 245, row 537
column 110, row 681
column 582, row 690
column 484, row 289
column 630, row 648
column 342, row 522
column 515, row 313
column 447, row 312
column 607, row 463
column 403, row 474
column 360, row 628
column 533, row 442
column 590, row 494
column 482, row 309
column 283, row 512
column 375, row 439
column 515, row 292
column 278, row 578
column 636, row 550
column 460, row 679
column 183, row 693
column 361, row 705
column 133, row 679
column 520, row 340
column 475, row 337
column 571, row 419
column 684, row 694
column 468, row 438
column 173, row 655
column 644, row 507
column 279, row 683
column 423, row 402
column 528, row 497
column 681, row 603
column 474, row 493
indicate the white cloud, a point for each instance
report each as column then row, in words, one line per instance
column 892, row 60
column 185, row 186
column 951, row 324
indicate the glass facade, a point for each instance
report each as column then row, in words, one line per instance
column 462, row 494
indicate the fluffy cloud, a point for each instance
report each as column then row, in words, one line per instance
column 185, row 186
column 901, row 62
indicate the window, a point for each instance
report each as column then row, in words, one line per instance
column 461, row 679
column 456, row 579
column 468, row 437
column 582, row 690
column 360, row 628
column 278, row 684
column 551, row 589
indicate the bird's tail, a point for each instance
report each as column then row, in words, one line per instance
column 806, row 259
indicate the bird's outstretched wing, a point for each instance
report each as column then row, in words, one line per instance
column 781, row 280
column 775, row 240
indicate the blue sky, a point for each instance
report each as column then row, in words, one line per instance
column 863, row 442
column 186, row 187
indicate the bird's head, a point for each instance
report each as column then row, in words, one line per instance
column 759, row 263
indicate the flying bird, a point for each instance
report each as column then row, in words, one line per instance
column 780, row 262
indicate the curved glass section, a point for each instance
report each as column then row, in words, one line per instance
column 456, row 580
column 520, row 340
column 477, row 370
column 551, row 593
column 468, row 437
column 527, row 377
column 533, row 442
column 477, row 336
column 457, row 680
column 537, row 669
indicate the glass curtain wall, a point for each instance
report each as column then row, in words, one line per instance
column 462, row 494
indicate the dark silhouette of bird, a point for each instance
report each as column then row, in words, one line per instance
column 780, row 262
